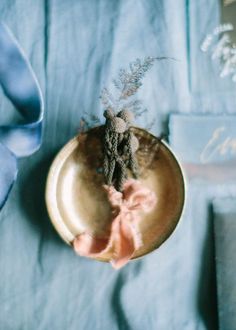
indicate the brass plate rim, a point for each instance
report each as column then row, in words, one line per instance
column 55, row 217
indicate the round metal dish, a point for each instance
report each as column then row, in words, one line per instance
column 76, row 200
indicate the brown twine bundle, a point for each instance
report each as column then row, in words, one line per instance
column 120, row 145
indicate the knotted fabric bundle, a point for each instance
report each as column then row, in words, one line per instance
column 124, row 238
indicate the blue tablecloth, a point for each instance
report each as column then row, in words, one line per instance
column 76, row 47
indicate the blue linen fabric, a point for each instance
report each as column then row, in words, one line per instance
column 20, row 85
column 209, row 164
column 224, row 211
column 75, row 47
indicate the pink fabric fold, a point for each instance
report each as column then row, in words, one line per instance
column 124, row 237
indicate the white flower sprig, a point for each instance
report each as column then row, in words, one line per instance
column 222, row 49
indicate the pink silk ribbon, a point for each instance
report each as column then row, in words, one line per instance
column 125, row 237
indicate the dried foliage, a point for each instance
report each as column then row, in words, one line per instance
column 127, row 84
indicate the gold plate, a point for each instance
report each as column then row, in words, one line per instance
column 77, row 202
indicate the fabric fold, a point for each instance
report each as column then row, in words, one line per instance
column 20, row 85
column 124, row 236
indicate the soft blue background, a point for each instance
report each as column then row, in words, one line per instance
column 75, row 47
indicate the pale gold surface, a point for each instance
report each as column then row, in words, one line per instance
column 76, row 200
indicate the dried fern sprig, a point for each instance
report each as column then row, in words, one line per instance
column 127, row 84
column 130, row 81
column 107, row 100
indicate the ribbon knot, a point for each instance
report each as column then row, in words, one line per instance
column 124, row 236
